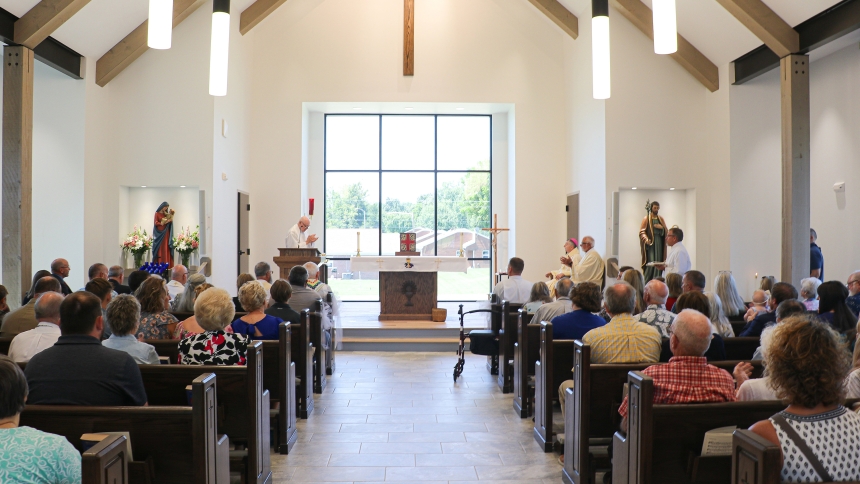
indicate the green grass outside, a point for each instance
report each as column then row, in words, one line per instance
column 470, row 286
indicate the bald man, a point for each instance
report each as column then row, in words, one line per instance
column 44, row 335
column 687, row 377
column 656, row 314
column 297, row 238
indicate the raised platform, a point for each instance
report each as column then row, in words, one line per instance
column 362, row 331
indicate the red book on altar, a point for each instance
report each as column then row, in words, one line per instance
column 408, row 244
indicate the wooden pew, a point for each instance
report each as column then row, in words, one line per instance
column 526, row 353
column 741, row 348
column 738, row 326
column 180, row 441
column 166, row 347
column 507, row 340
column 663, row 441
column 243, row 404
column 329, row 352
column 592, row 408
column 105, row 462
column 279, row 377
column 303, row 356
column 496, row 318
column 318, row 341
column 553, row 367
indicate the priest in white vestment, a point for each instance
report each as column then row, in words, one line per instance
column 571, row 248
column 297, row 236
column 590, row 267
column 514, row 289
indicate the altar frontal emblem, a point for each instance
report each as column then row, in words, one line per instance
column 408, row 264
column 407, row 242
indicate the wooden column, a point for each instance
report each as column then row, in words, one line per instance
column 408, row 37
column 794, row 84
column 17, row 170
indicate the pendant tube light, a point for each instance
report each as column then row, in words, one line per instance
column 665, row 27
column 220, row 47
column 160, row 24
column 600, row 48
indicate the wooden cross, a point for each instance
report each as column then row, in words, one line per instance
column 408, row 37
column 495, row 230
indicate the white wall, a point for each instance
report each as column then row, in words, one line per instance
column 673, row 209
column 142, row 203
column 482, row 51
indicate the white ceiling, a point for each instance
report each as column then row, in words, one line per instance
column 707, row 25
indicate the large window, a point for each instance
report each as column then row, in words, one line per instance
column 427, row 175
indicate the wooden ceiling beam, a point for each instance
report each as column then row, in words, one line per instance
column 560, row 15
column 256, row 12
column 762, row 21
column 134, row 45
column 43, row 19
column 688, row 56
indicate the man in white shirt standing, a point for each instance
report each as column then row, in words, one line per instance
column 178, row 278
column 678, row 260
column 296, row 237
column 514, row 289
column 44, row 335
column 590, row 267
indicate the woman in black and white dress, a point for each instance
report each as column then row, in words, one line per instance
column 214, row 310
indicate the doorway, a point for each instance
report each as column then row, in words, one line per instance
column 573, row 216
column 244, row 214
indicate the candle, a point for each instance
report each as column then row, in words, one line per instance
column 358, row 241
column 310, row 206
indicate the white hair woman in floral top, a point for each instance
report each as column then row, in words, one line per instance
column 214, row 310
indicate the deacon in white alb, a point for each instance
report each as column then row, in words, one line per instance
column 297, row 238
column 514, row 289
column 678, row 260
column 590, row 267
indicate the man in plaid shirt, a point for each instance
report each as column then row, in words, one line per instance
column 687, row 377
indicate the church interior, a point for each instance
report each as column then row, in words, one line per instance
column 745, row 130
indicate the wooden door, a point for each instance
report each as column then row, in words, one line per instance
column 244, row 214
column 573, row 216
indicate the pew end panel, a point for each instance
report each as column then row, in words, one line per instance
column 640, row 398
column 318, row 342
column 554, row 366
column 106, row 462
column 496, row 317
column 577, row 418
column 507, row 340
column 280, row 379
column 755, row 460
column 525, row 354
column 330, row 351
column 303, row 355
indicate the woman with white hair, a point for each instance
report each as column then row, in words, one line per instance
column 809, row 292
column 725, row 287
column 718, row 316
column 184, row 302
column 214, row 310
column 321, row 288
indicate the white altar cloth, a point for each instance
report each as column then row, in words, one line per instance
column 399, row 264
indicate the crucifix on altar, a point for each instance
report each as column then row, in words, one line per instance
column 495, row 230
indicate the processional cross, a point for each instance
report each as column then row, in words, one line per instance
column 495, row 230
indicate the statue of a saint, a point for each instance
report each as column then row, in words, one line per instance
column 162, row 235
column 652, row 240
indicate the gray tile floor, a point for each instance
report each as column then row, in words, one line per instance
column 400, row 417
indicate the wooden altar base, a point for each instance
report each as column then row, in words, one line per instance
column 407, row 296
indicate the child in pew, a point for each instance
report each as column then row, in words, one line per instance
column 818, row 437
column 214, row 310
column 27, row 454
column 123, row 314
column 759, row 305
column 256, row 324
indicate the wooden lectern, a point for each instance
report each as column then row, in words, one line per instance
column 289, row 258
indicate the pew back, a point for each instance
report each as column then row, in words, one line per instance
column 507, row 339
column 105, row 462
column 526, row 353
column 302, row 352
column 279, row 377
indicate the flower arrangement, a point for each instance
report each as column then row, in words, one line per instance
column 138, row 242
column 186, row 243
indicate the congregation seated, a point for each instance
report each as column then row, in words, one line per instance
column 28, row 455
column 4, row 308
column 726, row 288
column 322, row 289
column 256, row 324
column 699, row 302
column 263, row 274
column 854, row 292
column 687, row 377
column 178, row 279
column 30, row 294
column 784, row 310
column 673, row 282
column 561, row 305
column 104, row 291
column 154, row 304
column 585, row 299
column 809, row 293
column 44, row 335
column 78, row 370
column 538, row 296
column 24, row 318
column 116, row 274
column 767, row 283
column 214, row 310
column 781, row 291
column 240, row 281
column 758, row 306
column 304, row 297
column 635, row 278
column 655, row 314
column 189, row 326
column 718, row 316
column 123, row 315
column 135, row 279
column 623, row 339
column 184, row 302
column 280, row 293
column 692, row 281
column 60, row 271
column 833, row 309
column 95, row 272
column 817, row 436
column 514, row 289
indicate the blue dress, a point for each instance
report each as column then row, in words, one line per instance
column 268, row 327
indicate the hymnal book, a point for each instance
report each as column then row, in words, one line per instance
column 718, row 441
column 89, row 440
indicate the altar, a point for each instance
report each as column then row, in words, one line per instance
column 408, row 285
